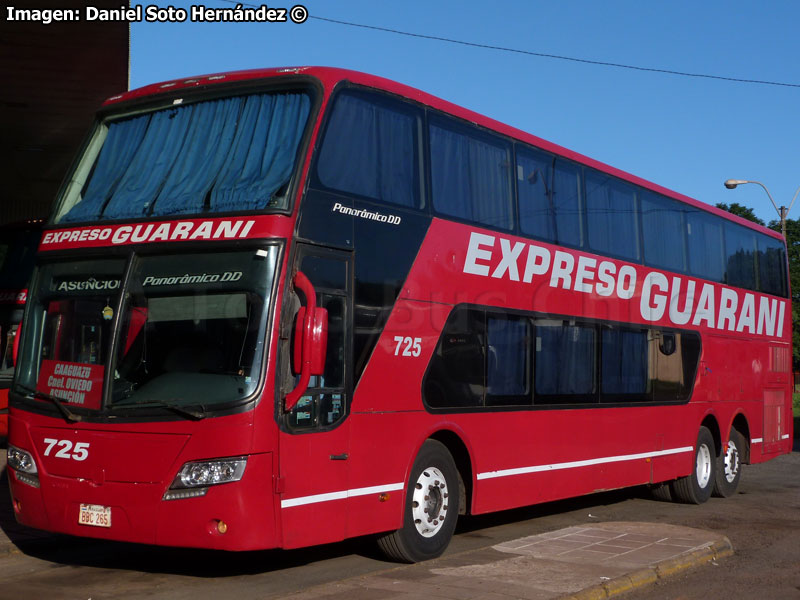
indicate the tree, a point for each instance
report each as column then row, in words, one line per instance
column 740, row 211
column 793, row 252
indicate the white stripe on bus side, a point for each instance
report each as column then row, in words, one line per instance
column 315, row 499
column 581, row 463
column 342, row 495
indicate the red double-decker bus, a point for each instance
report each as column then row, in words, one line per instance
column 279, row 308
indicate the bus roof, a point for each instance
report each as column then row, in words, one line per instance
column 331, row 76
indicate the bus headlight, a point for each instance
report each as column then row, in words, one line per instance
column 24, row 466
column 20, row 460
column 195, row 477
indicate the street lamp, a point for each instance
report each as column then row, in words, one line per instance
column 782, row 211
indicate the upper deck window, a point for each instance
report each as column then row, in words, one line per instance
column 226, row 155
column 471, row 174
column 611, row 213
column 371, row 149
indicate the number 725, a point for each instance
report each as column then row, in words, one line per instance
column 413, row 346
column 78, row 451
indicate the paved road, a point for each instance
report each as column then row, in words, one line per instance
column 762, row 522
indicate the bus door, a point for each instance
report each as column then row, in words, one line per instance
column 314, row 449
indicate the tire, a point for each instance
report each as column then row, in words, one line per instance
column 696, row 488
column 661, row 491
column 729, row 466
column 431, row 508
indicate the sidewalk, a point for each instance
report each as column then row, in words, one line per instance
column 580, row 563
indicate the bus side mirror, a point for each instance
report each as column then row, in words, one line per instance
column 310, row 340
column 313, row 334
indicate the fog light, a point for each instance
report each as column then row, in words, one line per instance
column 181, row 494
column 222, row 527
column 31, row 480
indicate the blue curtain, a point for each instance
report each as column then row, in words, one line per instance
column 370, row 150
column 507, row 372
column 121, row 143
column 740, row 247
column 611, row 217
column 534, row 185
column 151, row 164
column 771, row 261
column 662, row 231
column 262, row 154
column 564, row 360
column 623, row 362
column 566, row 195
column 705, row 245
column 235, row 152
column 208, row 141
column 470, row 178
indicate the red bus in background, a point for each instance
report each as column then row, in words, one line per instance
column 284, row 307
column 18, row 243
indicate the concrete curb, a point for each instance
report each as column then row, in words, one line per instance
column 650, row 575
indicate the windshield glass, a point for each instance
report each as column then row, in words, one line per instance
column 67, row 337
column 191, row 331
column 217, row 156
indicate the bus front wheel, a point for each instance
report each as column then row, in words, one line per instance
column 431, row 508
column 696, row 487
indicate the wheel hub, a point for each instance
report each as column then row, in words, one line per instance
column 703, row 466
column 731, row 462
column 429, row 502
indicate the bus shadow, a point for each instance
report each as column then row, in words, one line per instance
column 473, row 524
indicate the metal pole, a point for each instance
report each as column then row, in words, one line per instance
column 784, row 211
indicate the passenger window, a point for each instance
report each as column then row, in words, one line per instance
column 470, row 175
column 740, row 250
column 537, row 215
column 705, row 245
column 370, row 149
column 567, row 203
column 673, row 361
column 564, row 363
column 456, row 376
column 624, row 365
column 662, row 232
column 611, row 216
column 508, row 360
column 771, row 266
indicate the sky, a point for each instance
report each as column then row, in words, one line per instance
column 688, row 134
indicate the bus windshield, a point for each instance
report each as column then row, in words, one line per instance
column 191, row 330
column 216, row 156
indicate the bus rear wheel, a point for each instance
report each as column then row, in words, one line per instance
column 696, row 487
column 431, row 508
column 729, row 466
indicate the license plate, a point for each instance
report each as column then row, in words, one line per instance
column 95, row 515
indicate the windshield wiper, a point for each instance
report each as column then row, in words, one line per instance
column 181, row 410
column 59, row 403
